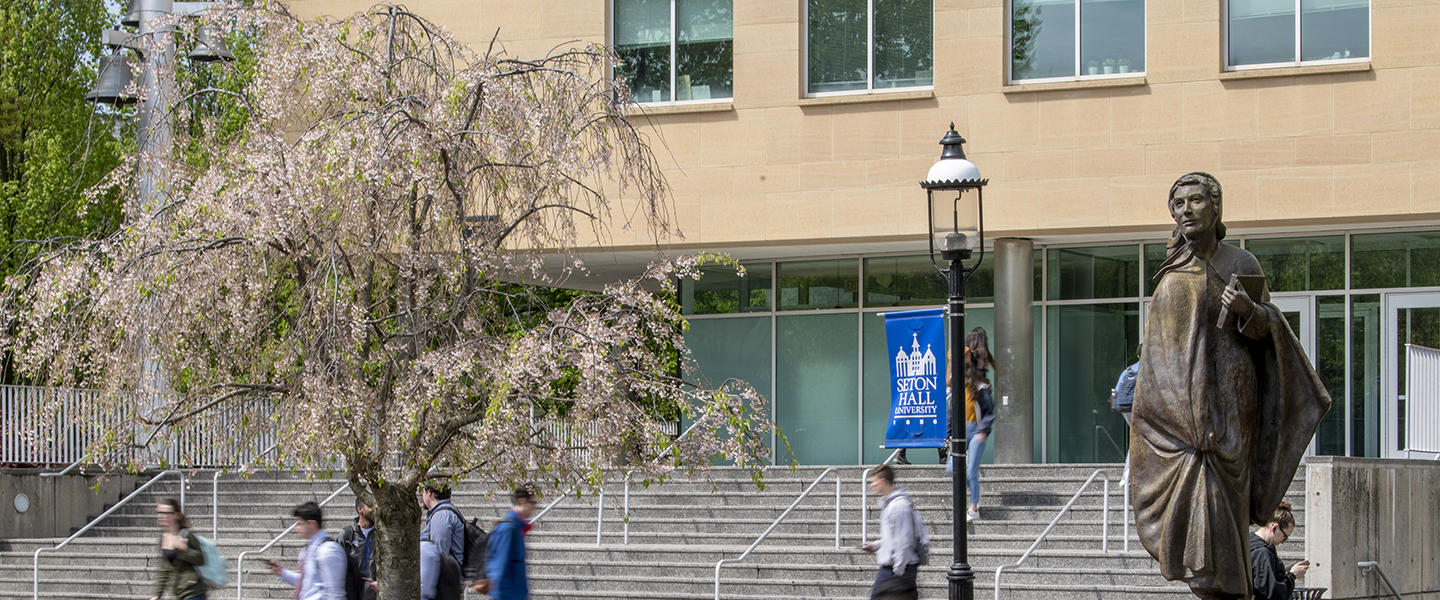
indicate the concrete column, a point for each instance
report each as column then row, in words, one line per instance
column 1014, row 351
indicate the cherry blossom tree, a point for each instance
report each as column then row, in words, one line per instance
column 352, row 272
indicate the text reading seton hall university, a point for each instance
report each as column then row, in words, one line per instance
column 915, row 396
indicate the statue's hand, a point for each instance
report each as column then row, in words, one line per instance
column 1238, row 301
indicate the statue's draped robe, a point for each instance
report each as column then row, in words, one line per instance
column 1220, row 422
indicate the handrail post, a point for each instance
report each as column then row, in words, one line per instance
column 600, row 514
column 837, row 510
column 627, row 509
column 240, row 560
column 1367, row 565
column 1105, row 518
column 772, row 527
column 35, row 572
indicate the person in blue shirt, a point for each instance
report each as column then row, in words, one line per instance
column 443, row 523
column 505, row 559
column 1122, row 396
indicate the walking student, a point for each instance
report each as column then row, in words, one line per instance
column 358, row 539
column 903, row 541
column 1122, row 397
column 979, row 412
column 1272, row 580
column 444, row 525
column 322, row 560
column 505, row 558
column 180, row 553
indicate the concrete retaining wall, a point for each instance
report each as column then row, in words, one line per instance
column 57, row 504
column 1383, row 510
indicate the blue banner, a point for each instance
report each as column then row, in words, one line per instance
column 916, row 340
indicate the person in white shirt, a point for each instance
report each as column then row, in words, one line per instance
column 897, row 550
column 322, row 560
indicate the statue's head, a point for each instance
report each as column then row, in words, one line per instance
column 1195, row 204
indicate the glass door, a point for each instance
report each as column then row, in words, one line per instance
column 1299, row 312
column 1409, row 319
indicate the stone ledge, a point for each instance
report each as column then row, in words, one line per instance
column 679, row 109
column 876, row 96
column 1296, row 71
column 1082, row 84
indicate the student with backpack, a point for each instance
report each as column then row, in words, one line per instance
column 358, row 539
column 181, row 552
column 464, row 542
column 904, row 544
column 505, row 560
column 1122, row 398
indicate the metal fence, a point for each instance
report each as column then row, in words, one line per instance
column 1422, row 402
column 51, row 427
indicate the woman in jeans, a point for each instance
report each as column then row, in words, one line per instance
column 979, row 411
column 180, row 553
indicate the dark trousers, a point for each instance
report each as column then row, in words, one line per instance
column 887, row 573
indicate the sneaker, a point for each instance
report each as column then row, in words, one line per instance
column 900, row 460
column 972, row 515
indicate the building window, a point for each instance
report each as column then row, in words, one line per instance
column 862, row 45
column 1054, row 39
column 675, row 50
column 1268, row 33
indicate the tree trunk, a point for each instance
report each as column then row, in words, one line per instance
column 397, row 551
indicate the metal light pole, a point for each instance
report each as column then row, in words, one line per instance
column 957, row 230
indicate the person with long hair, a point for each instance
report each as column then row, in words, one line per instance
column 180, row 553
column 979, row 411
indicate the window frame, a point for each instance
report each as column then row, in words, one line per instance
column 1299, row 43
column 1080, row 74
column 674, row 41
column 869, row 57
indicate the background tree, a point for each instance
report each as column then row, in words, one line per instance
column 53, row 145
column 342, row 271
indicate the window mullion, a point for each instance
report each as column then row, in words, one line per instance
column 675, row 54
column 1077, row 39
column 870, row 45
column 1298, row 57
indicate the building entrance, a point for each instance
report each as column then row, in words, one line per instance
column 1410, row 318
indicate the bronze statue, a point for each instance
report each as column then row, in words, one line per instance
column 1225, row 403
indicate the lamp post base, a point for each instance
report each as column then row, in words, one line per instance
column 962, row 582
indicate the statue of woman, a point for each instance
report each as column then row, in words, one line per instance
column 1224, row 407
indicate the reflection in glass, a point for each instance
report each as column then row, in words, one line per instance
column 1334, row 29
column 721, row 290
column 839, row 39
column 904, row 281
column 1154, row 257
column 1330, row 350
column 1097, row 272
column 903, row 43
column 1365, row 375
column 1301, row 264
column 642, row 43
column 816, row 385
column 704, row 50
column 1112, row 34
column 1089, row 345
column 1042, row 39
column 736, row 348
column 1261, row 31
column 819, row 284
column 1390, row 260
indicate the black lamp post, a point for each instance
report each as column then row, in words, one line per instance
column 957, row 230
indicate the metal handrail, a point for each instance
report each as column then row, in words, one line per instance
column 781, row 518
column 1104, row 531
column 70, row 468
column 865, row 496
column 215, row 492
column 600, row 510
column 240, row 561
column 1365, row 567
column 36, row 572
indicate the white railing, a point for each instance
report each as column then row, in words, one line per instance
column 1422, row 402
column 35, row 584
column 240, row 560
column 1104, row 526
column 781, row 519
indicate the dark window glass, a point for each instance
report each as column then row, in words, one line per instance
column 721, row 290
column 819, row 284
column 838, row 45
column 1391, row 260
column 839, row 48
column 1365, row 375
column 1089, row 345
column 1334, row 29
column 903, row 281
column 1043, row 39
column 903, row 40
column 703, row 49
column 1330, row 346
column 817, row 387
column 1261, row 31
column 1100, row 272
column 1301, row 264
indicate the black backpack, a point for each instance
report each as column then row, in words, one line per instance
column 476, row 545
column 355, row 586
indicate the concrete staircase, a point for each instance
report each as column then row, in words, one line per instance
column 677, row 533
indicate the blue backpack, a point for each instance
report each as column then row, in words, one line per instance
column 1123, row 397
column 213, row 571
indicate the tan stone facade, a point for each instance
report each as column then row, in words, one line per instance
column 1331, row 145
